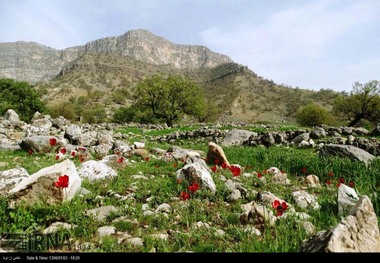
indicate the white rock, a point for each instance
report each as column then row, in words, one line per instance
column 95, row 170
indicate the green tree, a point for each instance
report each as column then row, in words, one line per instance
column 21, row 97
column 64, row 109
column 95, row 114
column 363, row 102
column 313, row 115
column 168, row 99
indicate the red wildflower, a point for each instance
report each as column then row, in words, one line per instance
column 30, row 151
column 338, row 185
column 81, row 159
column 63, row 181
column 82, row 149
column 194, row 187
column 235, row 170
column 53, row 141
column 184, row 195
column 146, row 158
column 63, row 150
column 341, row 180
column 175, row 165
column 283, row 172
column 351, row 184
column 73, row 153
column 328, row 182
column 179, row 181
column 303, row 170
column 216, row 161
column 224, row 165
column 120, row 160
column 259, row 175
column 330, row 173
column 57, row 157
column 265, row 171
column 213, row 168
column 280, row 207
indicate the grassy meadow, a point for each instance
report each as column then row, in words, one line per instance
column 223, row 231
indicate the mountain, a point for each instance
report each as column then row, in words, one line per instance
column 105, row 71
column 33, row 62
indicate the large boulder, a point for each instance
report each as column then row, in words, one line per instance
column 39, row 187
column 197, row 173
column 358, row 232
column 11, row 116
column 354, row 153
column 237, row 137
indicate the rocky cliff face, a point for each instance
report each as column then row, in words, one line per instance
column 33, row 62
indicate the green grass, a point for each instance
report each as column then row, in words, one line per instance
column 215, row 210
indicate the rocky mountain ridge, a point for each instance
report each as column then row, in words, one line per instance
column 33, row 62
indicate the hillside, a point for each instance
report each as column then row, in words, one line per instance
column 104, row 72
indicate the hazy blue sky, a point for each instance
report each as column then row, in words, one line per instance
column 311, row 44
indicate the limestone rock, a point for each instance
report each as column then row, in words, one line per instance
column 358, row 232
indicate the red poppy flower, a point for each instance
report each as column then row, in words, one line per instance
column 235, row 170
column 259, row 175
column 175, row 165
column 63, row 150
column 73, row 153
column 146, row 158
column 184, row 195
column 341, row 180
column 179, row 181
column 194, row 187
column 82, row 149
column 351, row 184
column 303, row 170
column 30, row 151
column 120, row 160
column 63, row 181
column 338, row 185
column 328, row 182
column 224, row 165
column 57, row 157
column 213, row 168
column 53, row 141
column 81, row 159
column 330, row 173
column 216, row 161
column 280, row 207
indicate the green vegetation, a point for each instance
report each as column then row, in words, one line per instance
column 161, row 186
column 313, row 115
column 362, row 103
column 168, row 99
column 21, row 97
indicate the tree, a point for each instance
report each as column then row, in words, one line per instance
column 313, row 115
column 21, row 97
column 168, row 99
column 363, row 102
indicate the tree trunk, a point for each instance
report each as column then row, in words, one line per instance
column 355, row 120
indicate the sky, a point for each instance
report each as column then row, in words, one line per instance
column 310, row 44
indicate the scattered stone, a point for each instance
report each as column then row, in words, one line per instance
column 216, row 153
column 347, row 199
column 106, row 231
column 354, row 153
column 57, row 226
column 95, row 170
column 312, row 181
column 101, row 213
column 305, row 200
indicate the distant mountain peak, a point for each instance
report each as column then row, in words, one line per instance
column 33, row 62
